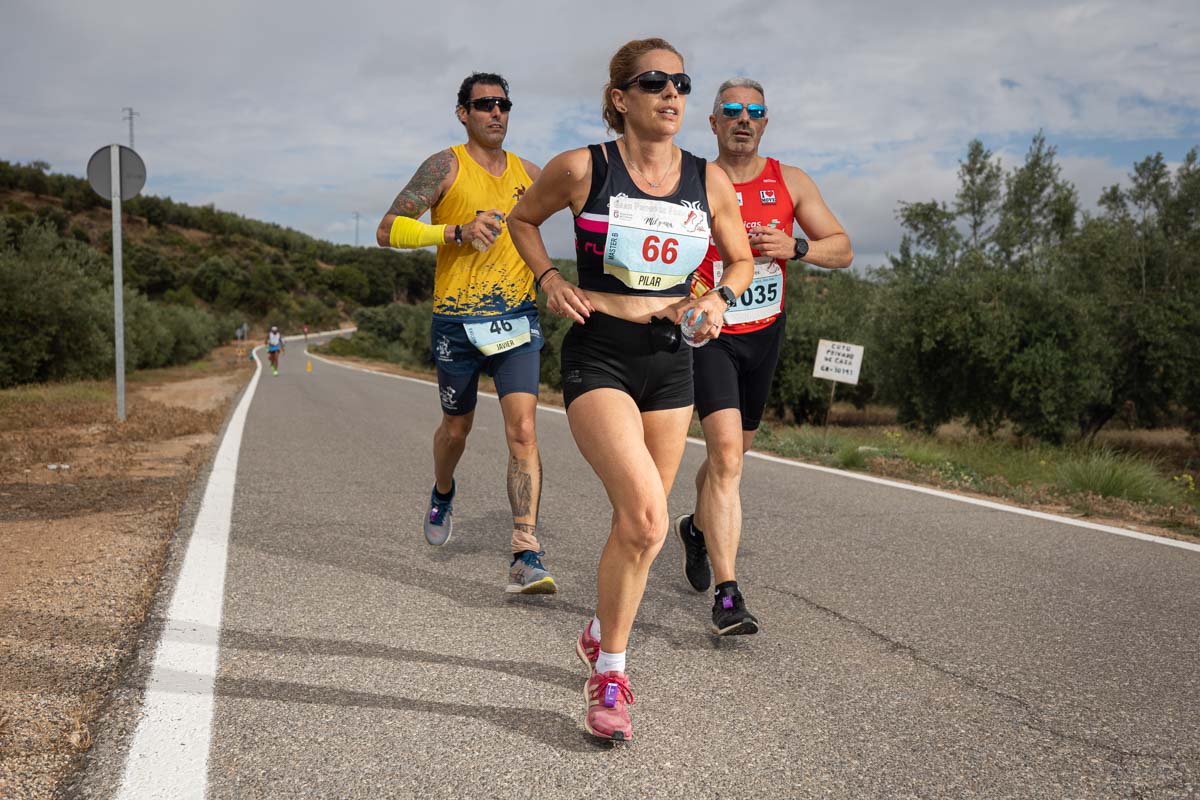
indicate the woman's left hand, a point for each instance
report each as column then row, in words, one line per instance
column 713, row 308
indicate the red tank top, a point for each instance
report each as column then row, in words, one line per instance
column 763, row 201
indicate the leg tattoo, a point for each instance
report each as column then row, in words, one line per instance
column 520, row 487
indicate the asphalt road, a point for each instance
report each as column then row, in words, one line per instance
column 912, row 646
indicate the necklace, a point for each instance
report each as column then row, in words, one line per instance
column 646, row 177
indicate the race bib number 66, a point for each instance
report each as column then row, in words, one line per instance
column 653, row 244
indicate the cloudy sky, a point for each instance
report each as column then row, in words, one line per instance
column 303, row 116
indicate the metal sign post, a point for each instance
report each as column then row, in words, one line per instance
column 118, row 278
column 117, row 173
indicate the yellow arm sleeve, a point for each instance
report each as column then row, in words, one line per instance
column 409, row 232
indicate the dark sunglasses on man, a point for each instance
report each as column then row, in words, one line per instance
column 734, row 110
column 655, row 81
column 486, row 104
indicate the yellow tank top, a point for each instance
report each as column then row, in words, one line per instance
column 469, row 283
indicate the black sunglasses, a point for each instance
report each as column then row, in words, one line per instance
column 655, row 81
column 486, row 104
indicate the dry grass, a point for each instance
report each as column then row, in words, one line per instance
column 80, row 714
column 1173, row 447
column 845, row 415
column 84, row 549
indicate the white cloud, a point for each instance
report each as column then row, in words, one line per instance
column 303, row 114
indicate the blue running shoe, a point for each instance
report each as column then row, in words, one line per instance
column 528, row 576
column 440, row 519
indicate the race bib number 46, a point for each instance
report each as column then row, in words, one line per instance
column 653, row 244
column 498, row 335
column 764, row 298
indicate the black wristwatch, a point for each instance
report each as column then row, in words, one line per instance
column 801, row 249
column 726, row 294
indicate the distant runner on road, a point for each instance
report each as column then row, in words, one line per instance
column 484, row 317
column 733, row 373
column 275, row 346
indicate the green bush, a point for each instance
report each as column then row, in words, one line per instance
column 850, row 456
column 1110, row 474
column 401, row 332
column 55, row 314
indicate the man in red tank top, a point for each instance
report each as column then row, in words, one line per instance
column 733, row 372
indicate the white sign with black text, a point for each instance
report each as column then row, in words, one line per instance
column 838, row 361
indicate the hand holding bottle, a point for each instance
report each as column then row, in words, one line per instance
column 482, row 231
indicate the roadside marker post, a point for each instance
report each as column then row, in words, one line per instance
column 117, row 173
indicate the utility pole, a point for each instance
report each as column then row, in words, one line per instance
column 129, row 115
column 356, row 229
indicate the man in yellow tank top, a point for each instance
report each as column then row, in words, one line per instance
column 484, row 316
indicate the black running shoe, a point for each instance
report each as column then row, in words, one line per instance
column 695, row 555
column 730, row 617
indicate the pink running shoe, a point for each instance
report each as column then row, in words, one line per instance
column 588, row 648
column 607, row 694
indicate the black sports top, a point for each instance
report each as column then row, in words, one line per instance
column 629, row 242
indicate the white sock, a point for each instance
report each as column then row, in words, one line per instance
column 610, row 662
column 594, row 628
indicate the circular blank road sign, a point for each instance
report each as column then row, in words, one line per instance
column 133, row 172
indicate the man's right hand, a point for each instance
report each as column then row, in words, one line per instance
column 486, row 226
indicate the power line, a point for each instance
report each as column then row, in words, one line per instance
column 129, row 115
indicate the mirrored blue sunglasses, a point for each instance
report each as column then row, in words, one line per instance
column 734, row 110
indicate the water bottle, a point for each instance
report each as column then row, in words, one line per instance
column 689, row 326
column 481, row 245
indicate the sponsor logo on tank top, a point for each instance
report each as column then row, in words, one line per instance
column 739, row 194
column 767, row 197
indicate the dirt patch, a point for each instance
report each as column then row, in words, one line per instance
column 85, row 544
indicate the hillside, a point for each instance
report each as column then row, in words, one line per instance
column 222, row 262
column 192, row 276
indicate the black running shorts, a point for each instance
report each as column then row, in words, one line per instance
column 736, row 370
column 611, row 353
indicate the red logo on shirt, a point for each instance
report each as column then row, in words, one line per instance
column 767, row 197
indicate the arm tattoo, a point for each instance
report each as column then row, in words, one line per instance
column 520, row 487
column 422, row 190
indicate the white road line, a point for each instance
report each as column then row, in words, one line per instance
column 989, row 504
column 169, row 754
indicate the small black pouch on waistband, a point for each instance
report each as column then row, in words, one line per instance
column 664, row 335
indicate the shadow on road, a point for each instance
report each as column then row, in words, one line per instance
column 548, row 727
column 297, row 645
